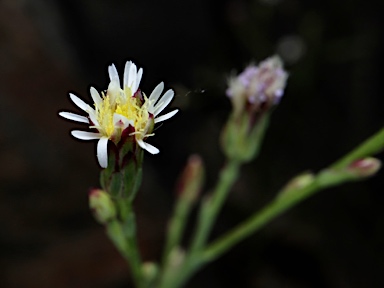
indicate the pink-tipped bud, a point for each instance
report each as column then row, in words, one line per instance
column 365, row 167
column 101, row 205
column 190, row 182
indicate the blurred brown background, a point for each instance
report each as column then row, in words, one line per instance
column 333, row 51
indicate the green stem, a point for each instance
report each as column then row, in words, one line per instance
column 211, row 206
column 209, row 210
column 177, row 226
column 255, row 222
column 286, row 199
column 369, row 147
column 198, row 255
column 334, row 175
column 128, row 222
column 135, row 260
column 122, row 232
column 126, row 248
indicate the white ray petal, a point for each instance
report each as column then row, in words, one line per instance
column 166, row 116
column 95, row 96
column 141, row 143
column 93, row 117
column 138, row 79
column 122, row 121
column 113, row 90
column 102, row 152
column 126, row 73
column 155, row 95
column 74, row 117
column 84, row 135
column 132, row 76
column 113, row 75
column 151, row 149
column 164, row 101
column 79, row 103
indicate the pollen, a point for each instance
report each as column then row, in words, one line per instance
column 124, row 104
column 104, row 113
column 142, row 120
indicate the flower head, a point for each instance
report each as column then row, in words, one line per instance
column 258, row 87
column 253, row 93
column 123, row 111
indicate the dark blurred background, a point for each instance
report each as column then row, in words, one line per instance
column 333, row 51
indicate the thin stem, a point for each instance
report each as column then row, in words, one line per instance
column 324, row 179
column 209, row 210
column 126, row 248
column 135, row 260
column 128, row 223
column 212, row 205
column 255, row 222
column 198, row 255
column 369, row 147
column 177, row 225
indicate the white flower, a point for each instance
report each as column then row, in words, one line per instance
column 120, row 107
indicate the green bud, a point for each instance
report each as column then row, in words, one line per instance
column 150, row 271
column 176, row 257
column 191, row 180
column 299, row 182
column 242, row 137
column 102, row 206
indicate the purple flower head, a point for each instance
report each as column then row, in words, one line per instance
column 258, row 86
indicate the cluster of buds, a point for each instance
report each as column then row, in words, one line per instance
column 253, row 93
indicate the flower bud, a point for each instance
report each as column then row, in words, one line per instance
column 190, row 182
column 299, row 182
column 150, row 271
column 253, row 93
column 177, row 257
column 357, row 170
column 102, row 206
column 364, row 167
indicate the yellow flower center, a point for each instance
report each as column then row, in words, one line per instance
column 122, row 102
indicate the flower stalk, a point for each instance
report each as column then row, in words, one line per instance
column 188, row 190
column 122, row 118
column 210, row 207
